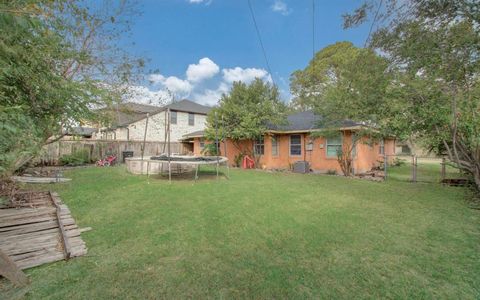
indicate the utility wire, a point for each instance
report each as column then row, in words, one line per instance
column 373, row 23
column 260, row 41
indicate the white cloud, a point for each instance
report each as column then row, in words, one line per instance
column 162, row 88
column 207, row 2
column 281, row 7
column 172, row 83
column 245, row 75
column 205, row 69
column 177, row 85
column 211, row 97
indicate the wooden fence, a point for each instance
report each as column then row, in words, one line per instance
column 98, row 149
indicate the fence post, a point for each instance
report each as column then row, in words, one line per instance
column 444, row 171
column 414, row 168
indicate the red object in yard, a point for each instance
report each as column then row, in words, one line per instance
column 107, row 161
column 248, row 163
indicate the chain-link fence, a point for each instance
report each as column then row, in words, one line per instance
column 422, row 169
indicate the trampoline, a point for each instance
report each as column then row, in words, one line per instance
column 156, row 164
column 177, row 164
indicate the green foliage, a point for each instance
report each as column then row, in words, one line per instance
column 435, row 95
column 18, row 137
column 57, row 61
column 397, row 162
column 237, row 160
column 77, row 158
column 210, row 149
column 332, row 172
column 245, row 111
column 344, row 82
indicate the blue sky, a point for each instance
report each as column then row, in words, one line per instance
column 196, row 48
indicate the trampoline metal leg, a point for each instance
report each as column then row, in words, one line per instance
column 196, row 172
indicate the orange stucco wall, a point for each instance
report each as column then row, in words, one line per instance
column 367, row 156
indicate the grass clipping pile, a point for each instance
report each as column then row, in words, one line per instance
column 37, row 228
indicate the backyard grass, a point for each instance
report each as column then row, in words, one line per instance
column 264, row 235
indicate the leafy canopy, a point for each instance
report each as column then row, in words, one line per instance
column 435, row 46
column 344, row 82
column 58, row 60
column 246, row 110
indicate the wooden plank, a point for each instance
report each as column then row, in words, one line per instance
column 11, row 271
column 28, row 221
column 28, row 179
column 66, row 246
column 27, row 228
column 85, row 229
column 37, row 261
column 32, row 236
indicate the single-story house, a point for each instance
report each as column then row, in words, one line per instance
column 78, row 133
column 284, row 145
column 129, row 121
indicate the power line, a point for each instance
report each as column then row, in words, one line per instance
column 261, row 42
column 373, row 23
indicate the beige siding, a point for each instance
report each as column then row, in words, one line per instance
column 156, row 128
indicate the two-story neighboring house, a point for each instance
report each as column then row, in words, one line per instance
column 129, row 121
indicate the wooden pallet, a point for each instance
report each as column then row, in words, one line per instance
column 39, row 230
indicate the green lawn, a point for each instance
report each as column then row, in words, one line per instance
column 428, row 170
column 265, row 235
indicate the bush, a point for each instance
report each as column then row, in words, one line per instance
column 77, row 158
column 210, row 150
column 332, row 172
column 237, row 160
column 398, row 162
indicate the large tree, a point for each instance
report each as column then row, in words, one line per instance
column 435, row 45
column 58, row 60
column 343, row 82
column 423, row 83
column 245, row 113
column 346, row 82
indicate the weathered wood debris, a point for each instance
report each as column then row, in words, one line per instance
column 41, row 180
column 37, row 228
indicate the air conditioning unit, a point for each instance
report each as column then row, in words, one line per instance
column 301, row 167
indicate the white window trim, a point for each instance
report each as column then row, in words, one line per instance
column 255, row 143
column 381, row 147
column 290, row 146
column 326, row 146
column 171, row 117
column 275, row 137
column 193, row 119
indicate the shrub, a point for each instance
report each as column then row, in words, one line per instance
column 237, row 160
column 397, row 162
column 332, row 172
column 210, row 150
column 77, row 158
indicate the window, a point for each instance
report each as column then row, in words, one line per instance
column 274, row 145
column 334, row 146
column 201, row 143
column 354, row 143
column 295, row 145
column 259, row 146
column 381, row 149
column 173, row 117
column 191, row 119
